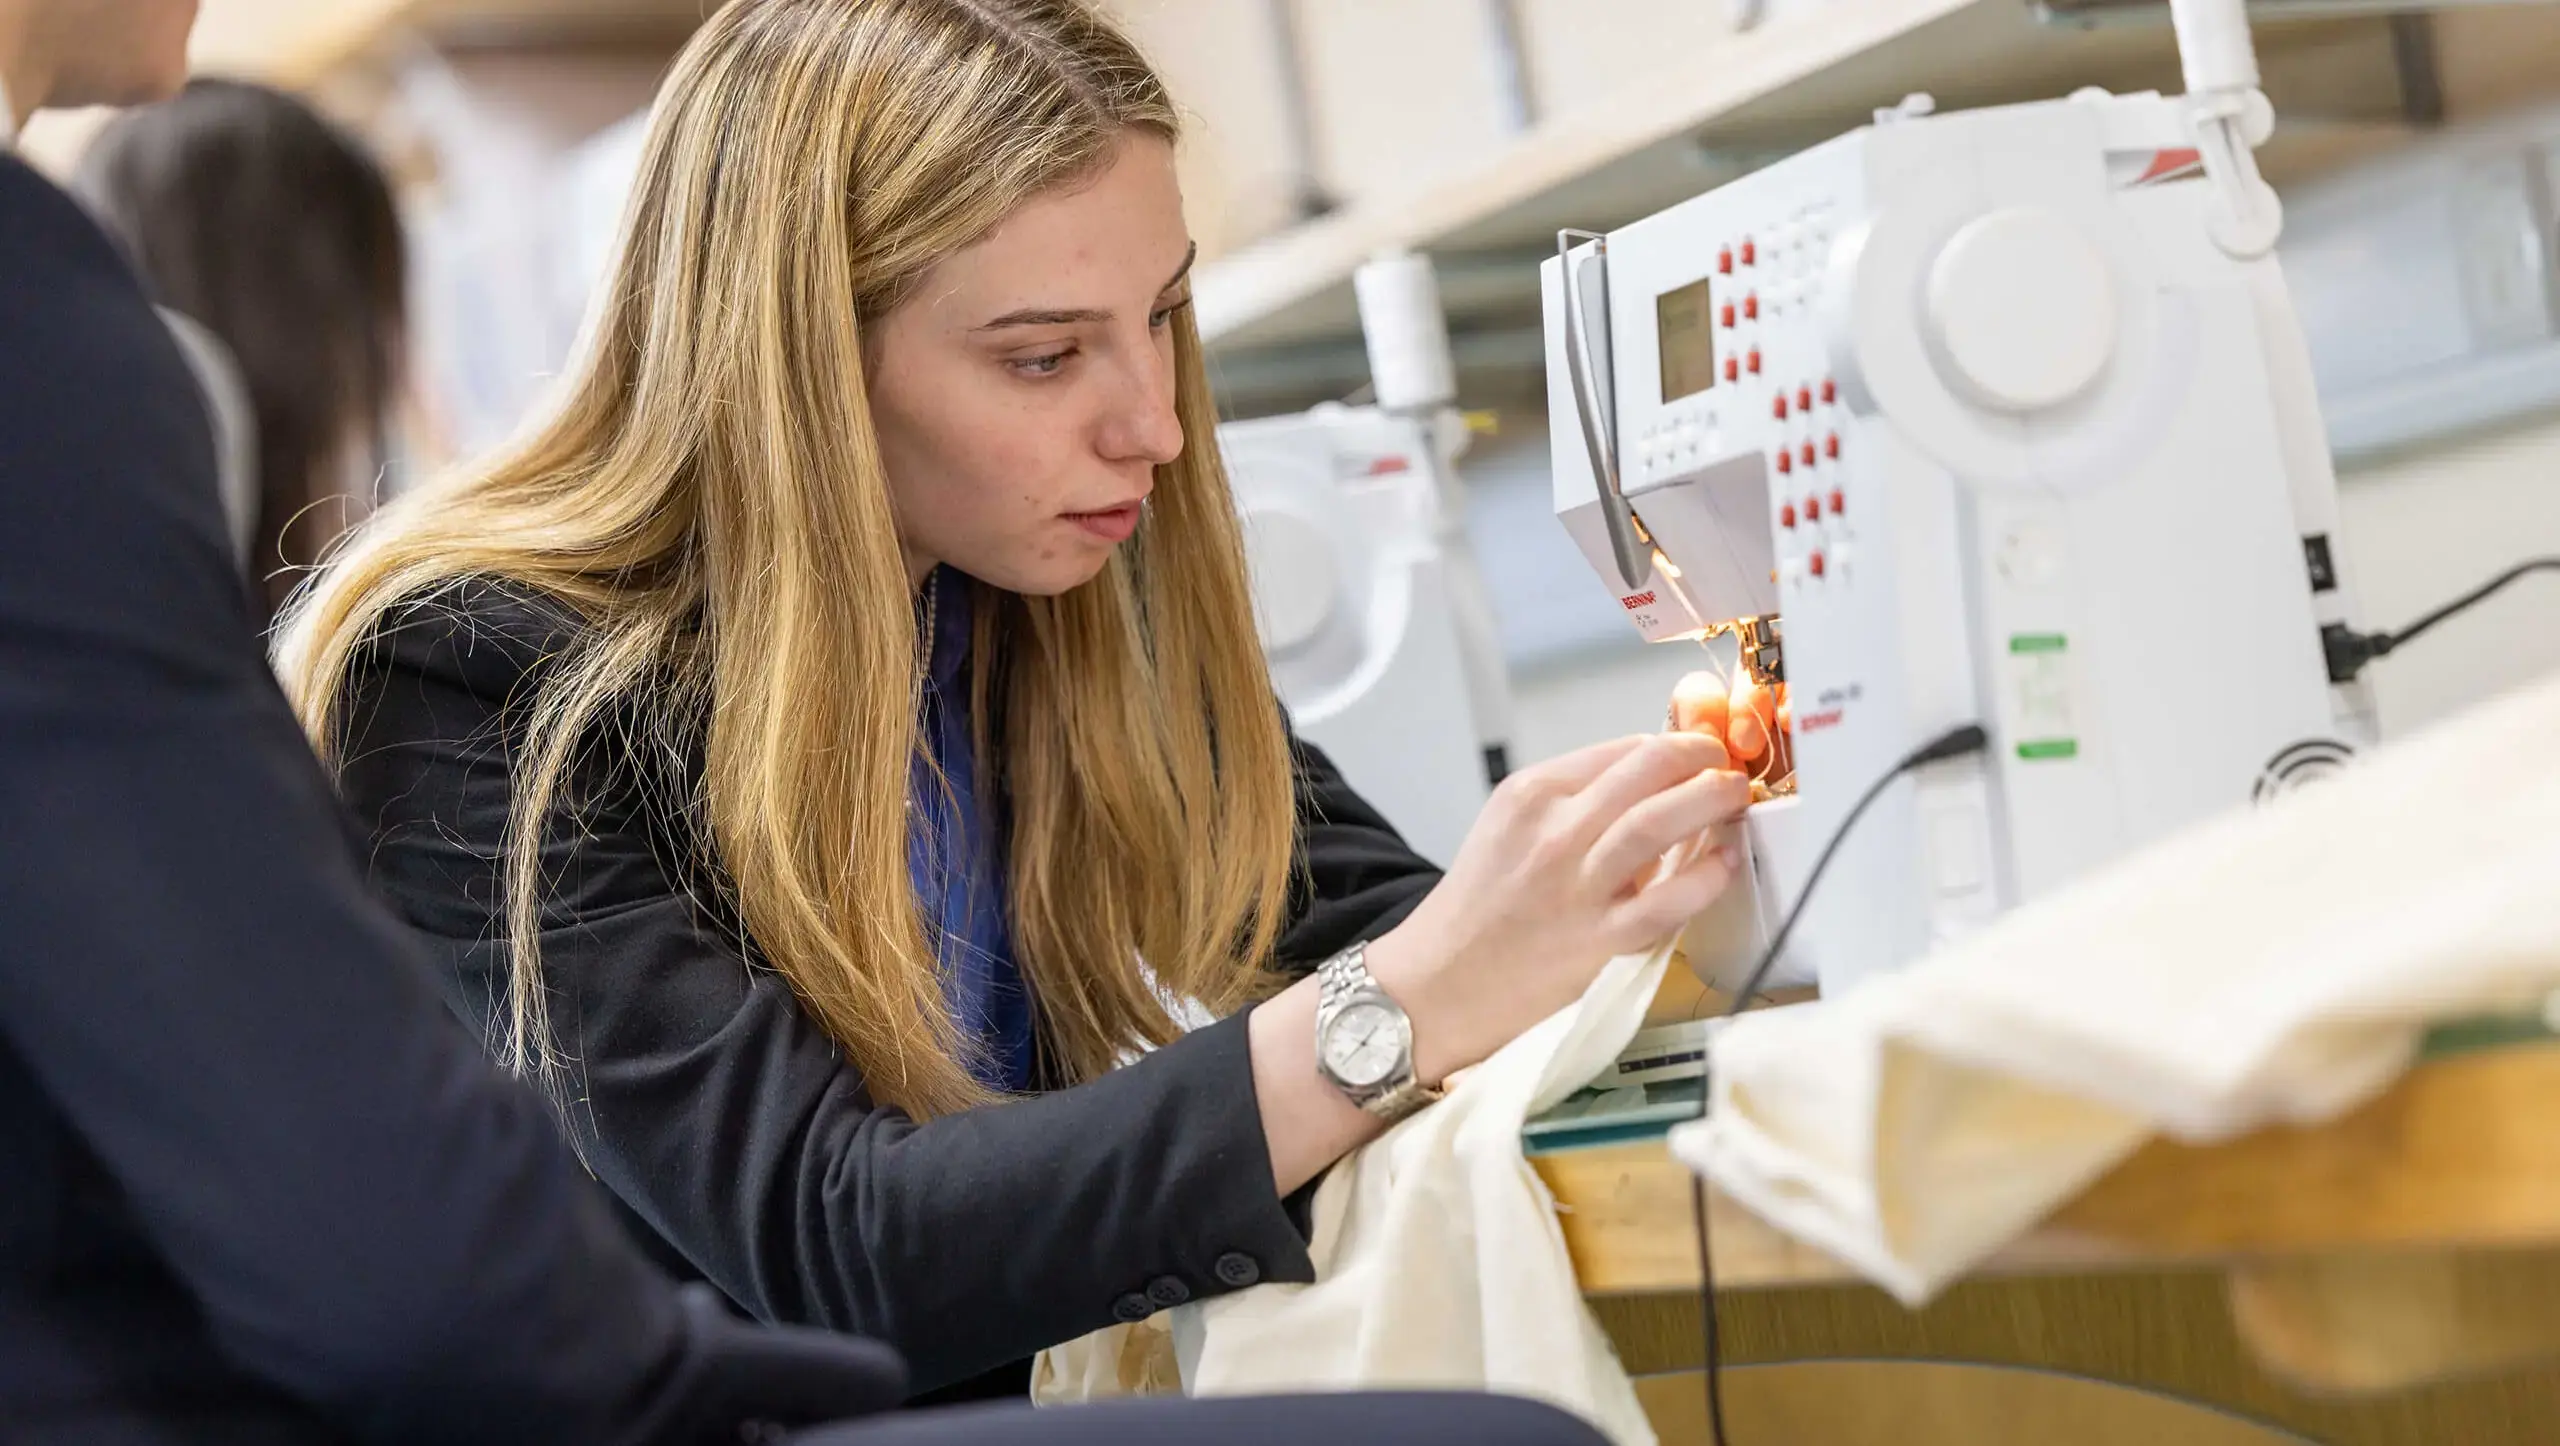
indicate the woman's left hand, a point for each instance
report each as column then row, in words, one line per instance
column 1755, row 723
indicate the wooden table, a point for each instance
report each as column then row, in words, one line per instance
column 2391, row 1277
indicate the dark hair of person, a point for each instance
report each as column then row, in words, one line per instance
column 276, row 231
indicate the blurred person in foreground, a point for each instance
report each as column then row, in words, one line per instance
column 258, row 1188
column 276, row 233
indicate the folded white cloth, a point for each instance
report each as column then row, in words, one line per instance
column 1438, row 1260
column 2274, row 965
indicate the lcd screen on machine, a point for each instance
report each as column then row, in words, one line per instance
column 1684, row 327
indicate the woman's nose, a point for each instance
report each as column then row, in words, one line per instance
column 1144, row 425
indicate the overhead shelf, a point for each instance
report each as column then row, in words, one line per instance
column 2344, row 89
column 300, row 42
column 2340, row 86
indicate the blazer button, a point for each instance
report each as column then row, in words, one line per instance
column 1132, row 1308
column 1167, row 1292
column 1237, row 1269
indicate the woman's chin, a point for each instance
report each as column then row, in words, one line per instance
column 1050, row 576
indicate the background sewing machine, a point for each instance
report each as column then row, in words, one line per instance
column 1997, row 417
column 1380, row 638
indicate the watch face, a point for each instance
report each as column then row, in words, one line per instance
column 1364, row 1044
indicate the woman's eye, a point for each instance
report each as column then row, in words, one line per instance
column 1163, row 315
column 1040, row 366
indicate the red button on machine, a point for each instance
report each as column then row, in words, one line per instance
column 1830, row 391
column 1724, row 261
column 1831, row 445
column 1786, row 461
column 1755, row 362
column 1778, row 408
column 1732, row 370
column 1804, row 398
column 1728, row 313
column 1787, row 515
column 1750, row 254
column 1751, row 306
column 1813, row 509
column 1838, row 503
column 1808, row 454
column 1814, row 565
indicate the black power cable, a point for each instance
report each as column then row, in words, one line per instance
column 1716, row 1434
column 2348, row 650
column 1954, row 743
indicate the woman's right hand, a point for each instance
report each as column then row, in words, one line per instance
column 1756, row 724
column 1571, row 864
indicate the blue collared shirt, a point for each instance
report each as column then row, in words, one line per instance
column 956, row 854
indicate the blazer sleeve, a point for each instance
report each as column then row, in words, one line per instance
column 361, row 1213
column 1356, row 878
column 730, row 1124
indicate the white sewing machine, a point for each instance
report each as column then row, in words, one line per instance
column 1353, row 590
column 1379, row 635
column 1999, row 417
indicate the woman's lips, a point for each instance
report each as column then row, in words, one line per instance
column 1112, row 524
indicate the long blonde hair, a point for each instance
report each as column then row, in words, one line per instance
column 709, row 499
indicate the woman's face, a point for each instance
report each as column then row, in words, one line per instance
column 1024, row 393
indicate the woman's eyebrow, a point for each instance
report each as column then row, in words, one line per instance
column 1077, row 316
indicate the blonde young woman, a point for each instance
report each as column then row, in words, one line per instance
column 824, row 748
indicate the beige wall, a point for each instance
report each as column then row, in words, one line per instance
column 1217, row 58
column 1403, row 91
column 1582, row 53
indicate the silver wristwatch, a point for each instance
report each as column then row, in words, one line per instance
column 1364, row 1041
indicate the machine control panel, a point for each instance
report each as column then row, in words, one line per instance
column 1722, row 393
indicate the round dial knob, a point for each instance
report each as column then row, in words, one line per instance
column 1297, row 582
column 2021, row 310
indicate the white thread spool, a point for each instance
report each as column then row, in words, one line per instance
column 1410, row 368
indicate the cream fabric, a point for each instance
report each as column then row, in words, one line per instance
column 1438, row 1259
column 2275, row 965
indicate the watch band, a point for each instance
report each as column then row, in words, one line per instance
column 1340, row 981
column 1341, row 977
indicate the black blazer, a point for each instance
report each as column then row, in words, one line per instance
column 255, row 1187
column 732, row 1126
